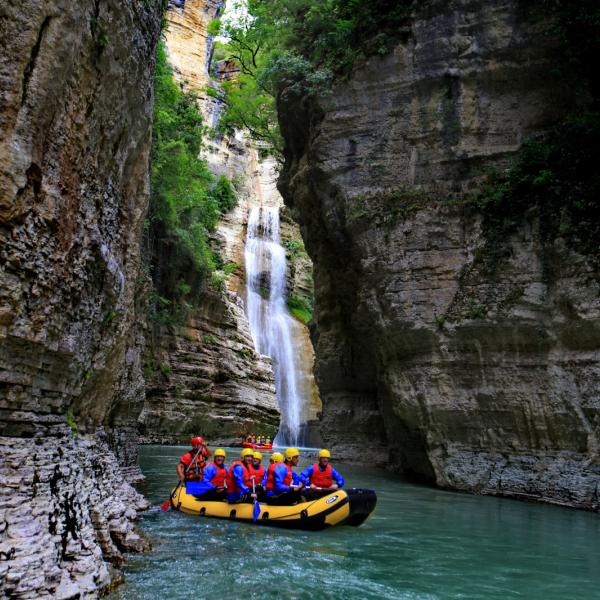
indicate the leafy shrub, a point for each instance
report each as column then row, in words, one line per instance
column 295, row 248
column 300, row 307
column 224, row 195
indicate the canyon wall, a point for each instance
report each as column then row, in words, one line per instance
column 75, row 117
column 437, row 355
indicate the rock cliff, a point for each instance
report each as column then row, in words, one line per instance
column 465, row 371
column 205, row 377
column 75, row 115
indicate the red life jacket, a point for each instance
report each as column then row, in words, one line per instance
column 271, row 477
column 219, row 479
column 194, row 469
column 232, row 486
column 288, row 478
column 320, row 478
column 258, row 473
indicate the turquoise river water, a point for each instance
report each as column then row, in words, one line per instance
column 420, row 544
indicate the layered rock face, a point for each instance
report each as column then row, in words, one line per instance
column 188, row 41
column 75, row 115
column 468, row 373
column 207, row 378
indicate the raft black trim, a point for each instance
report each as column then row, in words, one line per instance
column 313, row 523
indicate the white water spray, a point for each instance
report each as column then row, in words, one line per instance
column 270, row 322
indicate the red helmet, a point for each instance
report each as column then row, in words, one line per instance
column 197, row 441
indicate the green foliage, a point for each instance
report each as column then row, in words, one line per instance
column 220, row 52
column 224, row 195
column 149, row 370
column 71, row 423
column 183, row 289
column 109, row 317
column 556, row 179
column 295, row 249
column 250, row 107
column 103, row 40
column 230, row 267
column 209, row 339
column 300, row 307
column 245, row 352
column 334, row 34
column 476, row 311
column 214, row 27
column 186, row 200
column 296, row 47
column 212, row 92
column 166, row 370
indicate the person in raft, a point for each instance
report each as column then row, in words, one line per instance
column 285, row 486
column 191, row 464
column 275, row 458
column 260, row 475
column 212, row 486
column 240, row 478
column 321, row 478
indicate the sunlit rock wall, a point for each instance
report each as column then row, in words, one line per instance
column 75, row 116
column 429, row 361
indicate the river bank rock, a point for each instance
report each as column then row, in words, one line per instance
column 75, row 116
column 66, row 516
column 429, row 361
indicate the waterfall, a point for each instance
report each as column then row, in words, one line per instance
column 270, row 323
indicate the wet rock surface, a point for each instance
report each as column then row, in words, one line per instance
column 434, row 356
column 75, row 116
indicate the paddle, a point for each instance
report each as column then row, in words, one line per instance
column 256, row 510
column 167, row 503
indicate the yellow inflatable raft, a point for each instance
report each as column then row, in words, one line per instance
column 342, row 507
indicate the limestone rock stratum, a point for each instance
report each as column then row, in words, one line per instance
column 466, row 372
column 75, row 117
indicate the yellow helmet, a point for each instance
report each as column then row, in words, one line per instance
column 277, row 457
column 246, row 452
column 219, row 452
column 291, row 452
column 257, row 455
column 324, row 453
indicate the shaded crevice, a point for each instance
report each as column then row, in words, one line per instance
column 70, row 525
column 33, row 58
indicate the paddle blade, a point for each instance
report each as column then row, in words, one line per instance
column 166, row 504
column 256, row 512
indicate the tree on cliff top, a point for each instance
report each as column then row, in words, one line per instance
column 299, row 47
